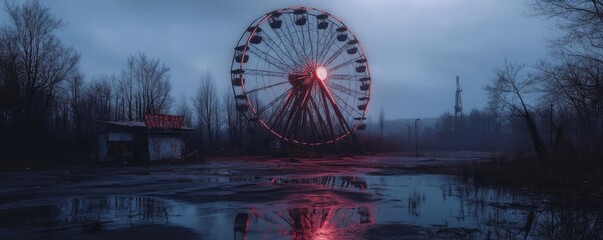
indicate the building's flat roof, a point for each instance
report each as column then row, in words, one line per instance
column 136, row 124
column 125, row 123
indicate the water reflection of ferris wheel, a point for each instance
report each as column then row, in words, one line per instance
column 307, row 216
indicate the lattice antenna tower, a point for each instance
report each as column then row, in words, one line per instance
column 458, row 105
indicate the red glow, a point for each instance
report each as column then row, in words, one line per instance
column 321, row 73
column 310, row 215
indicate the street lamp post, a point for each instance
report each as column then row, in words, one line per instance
column 416, row 138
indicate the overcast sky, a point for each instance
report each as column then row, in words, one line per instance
column 415, row 48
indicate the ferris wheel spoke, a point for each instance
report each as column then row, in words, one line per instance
column 301, row 109
column 319, row 37
column 266, row 73
column 327, row 131
column 302, row 60
column 300, row 106
column 284, row 121
column 303, row 41
column 347, row 107
column 316, row 33
column 270, row 59
column 327, row 42
column 315, row 120
column 307, row 41
column 334, row 56
column 292, row 44
column 326, row 50
column 264, row 88
column 299, row 41
column 274, row 101
column 276, row 119
column 281, row 52
column 310, row 40
column 331, row 114
column 344, row 77
column 283, row 43
column 324, row 121
column 339, row 114
column 269, row 44
column 335, row 107
column 344, row 105
column 287, row 123
column 346, row 63
column 344, row 89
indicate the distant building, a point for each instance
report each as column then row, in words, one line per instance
column 159, row 137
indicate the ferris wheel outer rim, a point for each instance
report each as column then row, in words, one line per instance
column 256, row 23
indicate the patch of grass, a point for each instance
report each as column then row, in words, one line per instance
column 563, row 180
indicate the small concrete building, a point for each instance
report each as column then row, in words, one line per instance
column 140, row 141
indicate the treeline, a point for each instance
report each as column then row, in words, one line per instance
column 478, row 130
column 49, row 109
column 36, row 71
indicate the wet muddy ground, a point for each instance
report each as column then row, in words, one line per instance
column 364, row 197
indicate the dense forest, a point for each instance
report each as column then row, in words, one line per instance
column 49, row 109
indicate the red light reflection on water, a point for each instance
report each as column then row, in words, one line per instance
column 322, row 215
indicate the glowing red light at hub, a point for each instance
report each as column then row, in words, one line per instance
column 321, row 73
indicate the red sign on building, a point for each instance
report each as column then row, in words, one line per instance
column 163, row 121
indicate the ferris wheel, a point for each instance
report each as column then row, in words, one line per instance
column 303, row 75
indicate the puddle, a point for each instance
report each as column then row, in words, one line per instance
column 342, row 182
column 440, row 205
column 118, row 211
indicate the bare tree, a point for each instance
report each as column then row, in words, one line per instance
column 9, row 84
column 575, row 86
column 75, row 86
column 510, row 87
column 573, row 82
column 34, row 69
column 235, row 122
column 219, row 122
column 99, row 94
column 207, row 106
column 185, row 111
column 146, row 87
column 582, row 21
column 127, row 90
column 121, row 104
column 42, row 61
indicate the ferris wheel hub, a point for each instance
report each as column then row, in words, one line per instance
column 299, row 80
column 321, row 73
